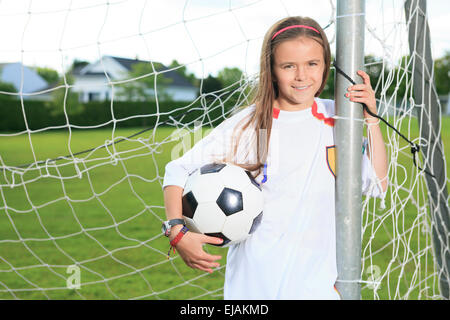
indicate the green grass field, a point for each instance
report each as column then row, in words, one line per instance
column 105, row 217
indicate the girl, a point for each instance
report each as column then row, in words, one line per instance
column 285, row 139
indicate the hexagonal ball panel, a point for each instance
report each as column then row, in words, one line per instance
column 235, row 177
column 237, row 226
column 191, row 225
column 189, row 204
column 212, row 168
column 208, row 217
column 207, row 187
column 253, row 200
column 230, row 201
column 192, row 178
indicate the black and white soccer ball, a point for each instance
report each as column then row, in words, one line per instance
column 222, row 200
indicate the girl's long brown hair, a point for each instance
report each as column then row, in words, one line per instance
column 267, row 91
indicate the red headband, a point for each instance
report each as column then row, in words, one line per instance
column 295, row 26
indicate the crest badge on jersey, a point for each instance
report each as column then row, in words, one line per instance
column 331, row 159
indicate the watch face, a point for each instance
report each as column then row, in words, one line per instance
column 164, row 228
column 167, row 225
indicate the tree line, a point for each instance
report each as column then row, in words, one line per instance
column 397, row 79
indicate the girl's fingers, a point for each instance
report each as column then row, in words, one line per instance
column 355, row 87
column 208, row 264
column 357, row 94
column 365, row 77
column 363, row 93
column 212, row 240
column 363, row 100
column 362, row 86
column 208, row 259
column 201, row 267
column 193, row 254
column 358, row 100
column 211, row 257
column 205, row 265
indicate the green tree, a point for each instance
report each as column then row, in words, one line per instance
column 182, row 70
column 229, row 77
column 64, row 98
column 378, row 72
column 232, row 79
column 48, row 74
column 401, row 77
column 78, row 64
column 328, row 90
column 442, row 74
column 211, row 84
column 7, row 87
column 142, row 88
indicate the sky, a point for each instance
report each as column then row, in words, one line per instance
column 203, row 34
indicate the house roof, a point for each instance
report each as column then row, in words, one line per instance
column 177, row 79
column 21, row 76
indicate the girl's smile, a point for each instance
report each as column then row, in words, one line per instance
column 302, row 88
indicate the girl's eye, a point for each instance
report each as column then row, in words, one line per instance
column 288, row 66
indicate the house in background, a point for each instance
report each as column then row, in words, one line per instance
column 33, row 83
column 91, row 81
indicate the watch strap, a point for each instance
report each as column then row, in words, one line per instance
column 177, row 239
column 174, row 222
column 167, row 225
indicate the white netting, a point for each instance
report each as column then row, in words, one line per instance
column 81, row 202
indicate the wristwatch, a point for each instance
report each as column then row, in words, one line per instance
column 167, row 225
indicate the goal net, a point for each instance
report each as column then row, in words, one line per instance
column 82, row 154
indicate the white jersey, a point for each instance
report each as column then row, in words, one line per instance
column 292, row 254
